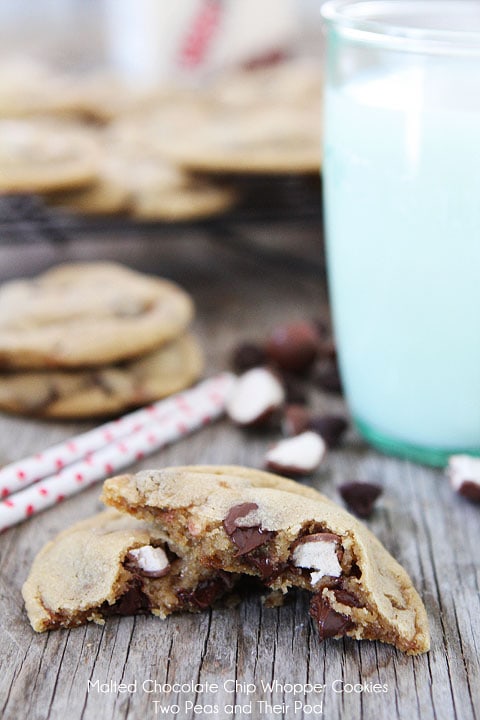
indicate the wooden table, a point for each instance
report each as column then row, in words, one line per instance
column 433, row 533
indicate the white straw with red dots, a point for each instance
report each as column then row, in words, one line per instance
column 15, row 476
column 78, row 467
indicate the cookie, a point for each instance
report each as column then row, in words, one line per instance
column 275, row 139
column 135, row 178
column 110, row 565
column 43, row 154
column 107, row 195
column 244, row 521
column 294, row 82
column 88, row 314
column 195, row 201
column 27, row 87
column 105, row 390
column 102, row 96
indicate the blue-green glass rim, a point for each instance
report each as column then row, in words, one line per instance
column 355, row 20
column 436, row 457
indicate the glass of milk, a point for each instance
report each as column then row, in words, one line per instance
column 402, row 204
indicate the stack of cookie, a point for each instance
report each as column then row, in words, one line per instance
column 181, row 538
column 93, row 339
column 93, row 145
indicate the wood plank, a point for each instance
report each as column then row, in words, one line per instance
column 434, row 534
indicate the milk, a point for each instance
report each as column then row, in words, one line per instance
column 402, row 196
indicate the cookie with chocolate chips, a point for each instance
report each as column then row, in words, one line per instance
column 42, row 154
column 248, row 522
column 105, row 390
column 88, row 314
column 112, row 564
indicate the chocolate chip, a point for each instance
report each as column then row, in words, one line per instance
column 248, row 538
column 245, row 538
column 330, row 427
column 355, row 571
column 133, row 602
column 293, row 347
column 470, row 490
column 101, row 380
column 247, row 356
column 330, row 622
column 347, row 598
column 360, row 496
column 236, row 512
column 206, row 592
column 268, row 569
column 318, row 537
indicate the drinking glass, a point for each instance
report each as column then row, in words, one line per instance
column 402, row 206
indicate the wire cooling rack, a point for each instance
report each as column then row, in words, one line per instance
column 26, row 219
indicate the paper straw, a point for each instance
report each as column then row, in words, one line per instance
column 199, row 407
column 17, row 475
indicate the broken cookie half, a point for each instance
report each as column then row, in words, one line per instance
column 240, row 521
column 112, row 564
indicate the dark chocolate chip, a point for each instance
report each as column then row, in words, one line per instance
column 470, row 490
column 317, row 537
column 360, row 496
column 330, row 427
column 247, row 356
column 355, row 571
column 293, row 347
column 245, row 538
column 100, row 380
column 330, row 622
column 133, row 602
column 206, row 592
column 347, row 598
column 268, row 569
column 236, row 512
column 248, row 538
column 39, row 403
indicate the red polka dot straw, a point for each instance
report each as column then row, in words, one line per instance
column 90, row 461
column 43, row 464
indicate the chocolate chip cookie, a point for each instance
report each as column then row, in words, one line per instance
column 244, row 521
column 88, row 314
column 40, row 155
column 134, row 178
column 105, row 390
column 257, row 140
column 112, row 564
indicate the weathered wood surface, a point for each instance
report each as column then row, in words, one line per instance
column 435, row 535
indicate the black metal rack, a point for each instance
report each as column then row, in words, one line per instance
column 27, row 219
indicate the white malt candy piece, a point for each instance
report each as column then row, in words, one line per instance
column 299, row 455
column 318, row 554
column 150, row 560
column 255, row 396
column 464, row 474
